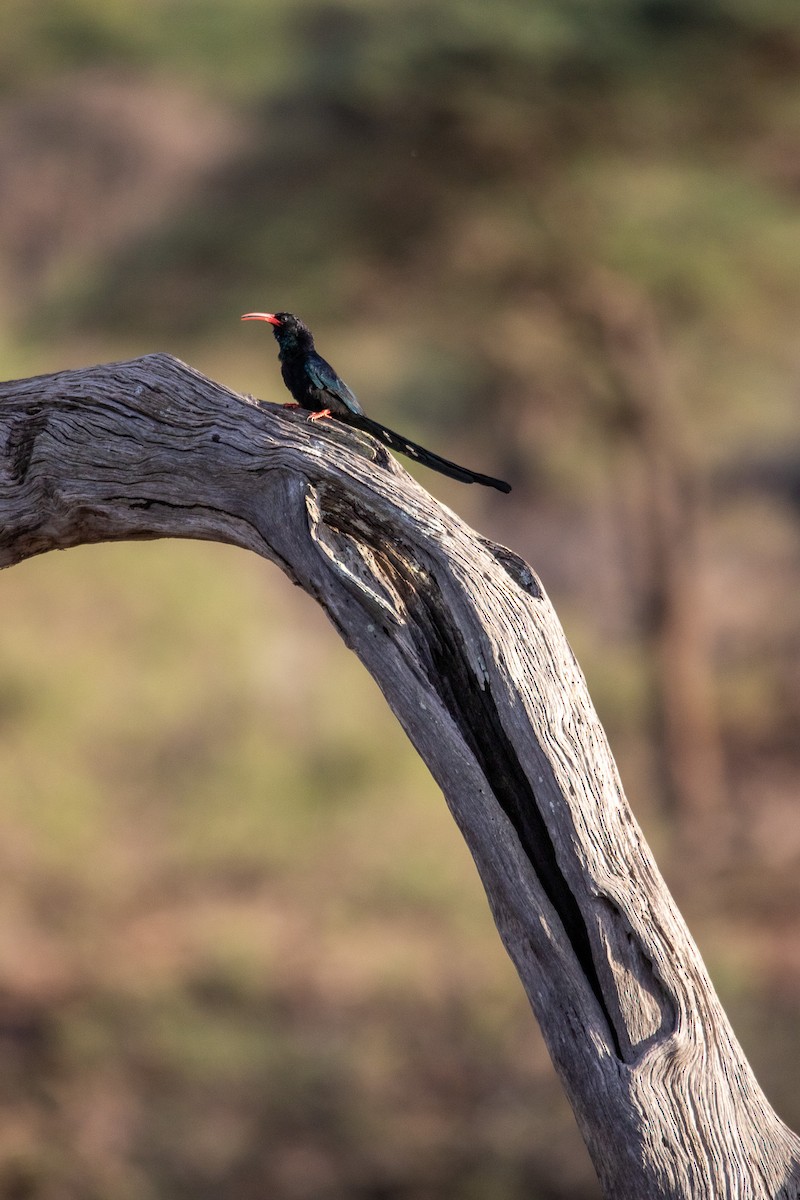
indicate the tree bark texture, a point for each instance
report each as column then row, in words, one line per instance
column 468, row 651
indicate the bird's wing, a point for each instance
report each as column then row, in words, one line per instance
column 323, row 376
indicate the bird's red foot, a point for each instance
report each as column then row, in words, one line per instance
column 317, row 416
column 291, row 404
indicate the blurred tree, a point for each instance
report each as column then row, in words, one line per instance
column 661, row 486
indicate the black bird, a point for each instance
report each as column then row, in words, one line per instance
column 317, row 388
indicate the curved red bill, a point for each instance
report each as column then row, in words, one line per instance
column 273, row 320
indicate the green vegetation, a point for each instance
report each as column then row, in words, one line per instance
column 244, row 952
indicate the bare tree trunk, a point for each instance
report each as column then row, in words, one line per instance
column 469, row 654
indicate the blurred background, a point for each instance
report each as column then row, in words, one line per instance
column 243, row 951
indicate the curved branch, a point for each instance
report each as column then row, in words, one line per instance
column 470, row 656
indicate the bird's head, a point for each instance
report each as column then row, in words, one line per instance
column 290, row 331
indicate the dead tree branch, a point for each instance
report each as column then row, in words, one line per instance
column 470, row 656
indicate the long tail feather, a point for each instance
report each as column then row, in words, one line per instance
column 402, row 445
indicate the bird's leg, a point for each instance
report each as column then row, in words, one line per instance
column 317, row 416
column 290, row 404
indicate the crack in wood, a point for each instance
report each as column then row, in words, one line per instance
column 515, row 567
column 22, row 435
column 471, row 705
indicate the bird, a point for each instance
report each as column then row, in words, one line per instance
column 316, row 388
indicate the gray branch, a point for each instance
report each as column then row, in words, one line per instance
column 470, row 656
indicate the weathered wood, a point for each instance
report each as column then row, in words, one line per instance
column 468, row 651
